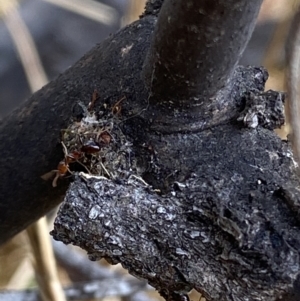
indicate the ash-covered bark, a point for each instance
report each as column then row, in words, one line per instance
column 220, row 214
column 228, row 229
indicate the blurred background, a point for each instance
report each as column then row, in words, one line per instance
column 39, row 39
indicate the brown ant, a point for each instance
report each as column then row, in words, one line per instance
column 88, row 148
column 74, row 156
column 63, row 166
column 82, row 140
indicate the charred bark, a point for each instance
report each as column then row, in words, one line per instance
column 30, row 136
column 226, row 224
column 200, row 196
column 195, row 33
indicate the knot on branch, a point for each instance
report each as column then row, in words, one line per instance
column 265, row 109
column 153, row 7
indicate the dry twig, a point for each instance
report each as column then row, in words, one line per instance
column 45, row 266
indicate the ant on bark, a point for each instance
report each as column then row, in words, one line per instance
column 63, row 166
column 87, row 141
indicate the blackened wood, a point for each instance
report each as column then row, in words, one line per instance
column 221, row 214
column 30, row 136
column 188, row 50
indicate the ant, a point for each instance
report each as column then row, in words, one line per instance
column 63, row 166
column 90, row 147
column 83, row 140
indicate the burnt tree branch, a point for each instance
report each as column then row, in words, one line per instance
column 216, row 211
column 30, row 136
column 202, row 196
column 191, row 61
column 229, row 230
column 208, row 36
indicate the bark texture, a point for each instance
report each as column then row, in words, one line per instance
column 204, row 196
column 30, row 136
column 224, row 221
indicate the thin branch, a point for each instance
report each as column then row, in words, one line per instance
column 293, row 82
column 45, row 265
column 26, row 49
column 23, row 274
column 95, row 11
